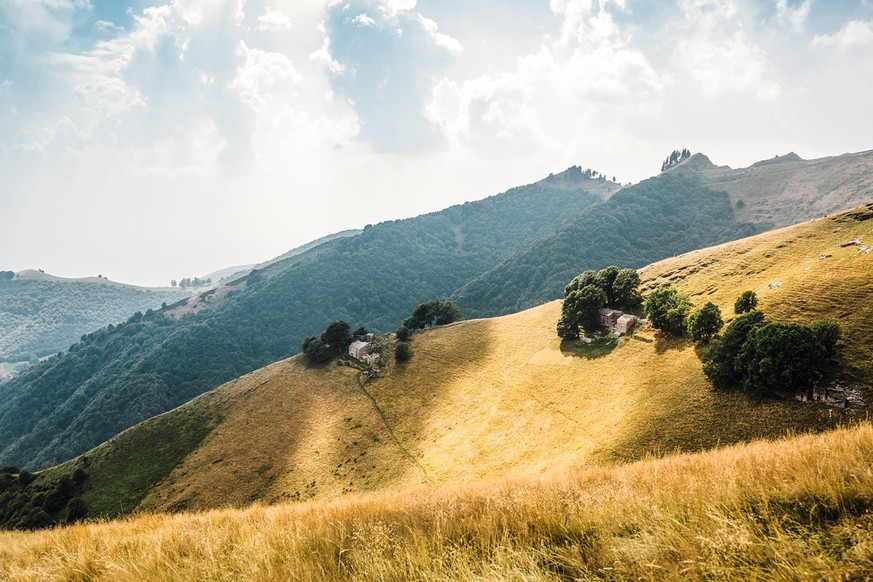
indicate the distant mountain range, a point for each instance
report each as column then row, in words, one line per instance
column 494, row 256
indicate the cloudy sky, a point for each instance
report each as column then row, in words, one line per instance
column 151, row 140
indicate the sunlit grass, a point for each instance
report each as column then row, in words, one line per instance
column 794, row 509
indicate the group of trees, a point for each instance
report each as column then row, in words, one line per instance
column 30, row 502
column 765, row 357
column 590, row 291
column 674, row 158
column 753, row 354
column 670, row 310
column 334, row 341
column 431, row 313
column 188, row 282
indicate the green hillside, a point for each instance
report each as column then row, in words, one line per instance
column 42, row 317
column 117, row 377
column 454, row 413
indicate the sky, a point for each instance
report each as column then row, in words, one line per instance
column 151, row 140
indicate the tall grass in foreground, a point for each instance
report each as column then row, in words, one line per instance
column 794, row 509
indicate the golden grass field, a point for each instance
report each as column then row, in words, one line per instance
column 499, row 398
column 795, row 509
column 497, row 454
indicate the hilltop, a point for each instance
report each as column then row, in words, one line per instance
column 454, row 413
column 787, row 189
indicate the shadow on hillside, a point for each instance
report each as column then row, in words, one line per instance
column 664, row 343
column 408, row 395
column 592, row 351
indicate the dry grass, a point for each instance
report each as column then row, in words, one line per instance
column 795, row 509
column 496, row 398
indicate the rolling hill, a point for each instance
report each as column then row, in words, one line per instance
column 499, row 398
column 118, row 376
column 495, row 256
column 41, row 314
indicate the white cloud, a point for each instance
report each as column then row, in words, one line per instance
column 718, row 56
column 590, row 78
column 794, row 17
column 363, row 19
column 274, row 19
column 259, row 73
column 854, row 33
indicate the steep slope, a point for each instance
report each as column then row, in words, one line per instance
column 41, row 314
column 117, row 377
column 500, row 397
column 692, row 205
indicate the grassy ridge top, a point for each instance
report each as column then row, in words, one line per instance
column 500, row 397
column 794, row 509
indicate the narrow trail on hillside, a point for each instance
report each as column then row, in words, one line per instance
column 394, row 438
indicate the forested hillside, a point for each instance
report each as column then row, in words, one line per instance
column 657, row 218
column 115, row 378
column 39, row 318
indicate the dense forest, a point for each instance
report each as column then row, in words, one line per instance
column 657, row 218
column 123, row 374
column 39, row 318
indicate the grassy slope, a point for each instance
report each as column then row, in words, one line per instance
column 796, row 509
column 498, row 397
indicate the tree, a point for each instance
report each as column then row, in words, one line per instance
column 746, row 302
column 827, row 333
column 780, row 357
column 173, row 283
column 719, row 359
column 437, row 312
column 337, row 336
column 626, row 289
column 667, row 310
column 317, row 352
column 704, row 323
column 579, row 281
column 402, row 352
column 605, row 279
column 360, row 332
column 403, row 334
column 581, row 309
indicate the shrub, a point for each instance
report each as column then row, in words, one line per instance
column 403, row 334
column 746, row 302
column 402, row 352
column 667, row 310
column 704, row 323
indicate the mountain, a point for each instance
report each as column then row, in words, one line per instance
column 500, row 398
column 787, row 189
column 497, row 255
column 41, row 314
column 121, row 375
column 691, row 205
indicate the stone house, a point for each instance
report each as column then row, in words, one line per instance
column 359, row 349
column 617, row 321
